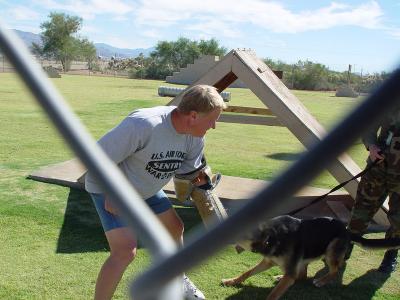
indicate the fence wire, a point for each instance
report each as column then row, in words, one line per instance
column 159, row 282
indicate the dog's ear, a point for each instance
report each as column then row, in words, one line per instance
column 263, row 226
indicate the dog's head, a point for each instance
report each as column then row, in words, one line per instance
column 267, row 237
column 259, row 240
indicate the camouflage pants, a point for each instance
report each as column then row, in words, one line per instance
column 372, row 191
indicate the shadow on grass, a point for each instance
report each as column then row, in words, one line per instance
column 82, row 232
column 361, row 288
column 366, row 285
column 284, row 156
column 303, row 290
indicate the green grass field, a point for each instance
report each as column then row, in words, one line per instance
column 51, row 242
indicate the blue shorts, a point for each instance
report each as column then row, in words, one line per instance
column 158, row 203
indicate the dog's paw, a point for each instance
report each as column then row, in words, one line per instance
column 278, row 278
column 317, row 282
column 320, row 282
column 229, row 282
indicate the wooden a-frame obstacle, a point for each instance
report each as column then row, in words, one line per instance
column 283, row 109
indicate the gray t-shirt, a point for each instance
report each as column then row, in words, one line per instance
column 149, row 151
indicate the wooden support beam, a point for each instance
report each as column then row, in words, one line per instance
column 226, row 81
column 254, row 120
column 249, row 110
column 340, row 210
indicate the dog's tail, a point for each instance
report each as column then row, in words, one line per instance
column 389, row 243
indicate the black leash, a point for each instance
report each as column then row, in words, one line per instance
column 319, row 198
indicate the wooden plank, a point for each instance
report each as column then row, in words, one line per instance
column 261, row 69
column 254, row 120
column 249, row 110
column 226, row 81
column 242, row 189
column 233, row 188
column 340, row 210
column 68, row 173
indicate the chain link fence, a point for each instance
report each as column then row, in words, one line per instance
column 76, row 68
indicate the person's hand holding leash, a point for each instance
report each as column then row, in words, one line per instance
column 375, row 153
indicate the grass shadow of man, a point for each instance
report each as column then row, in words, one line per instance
column 81, row 230
column 365, row 285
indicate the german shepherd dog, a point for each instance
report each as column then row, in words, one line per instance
column 292, row 244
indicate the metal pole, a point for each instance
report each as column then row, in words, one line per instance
column 133, row 209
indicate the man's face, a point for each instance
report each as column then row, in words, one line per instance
column 200, row 123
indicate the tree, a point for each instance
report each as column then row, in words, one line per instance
column 87, row 52
column 171, row 56
column 211, row 47
column 59, row 41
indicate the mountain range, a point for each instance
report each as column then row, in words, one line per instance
column 103, row 50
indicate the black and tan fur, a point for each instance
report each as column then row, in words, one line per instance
column 292, row 244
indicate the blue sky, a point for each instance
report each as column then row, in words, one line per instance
column 365, row 33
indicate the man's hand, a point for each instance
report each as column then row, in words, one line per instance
column 375, row 153
column 108, row 207
column 200, row 180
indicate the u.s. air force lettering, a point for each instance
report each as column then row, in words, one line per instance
column 163, row 165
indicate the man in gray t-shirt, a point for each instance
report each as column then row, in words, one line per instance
column 150, row 146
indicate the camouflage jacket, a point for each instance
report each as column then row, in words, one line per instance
column 387, row 137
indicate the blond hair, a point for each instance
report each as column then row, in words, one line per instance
column 202, row 99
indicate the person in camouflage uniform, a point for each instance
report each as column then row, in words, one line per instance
column 381, row 180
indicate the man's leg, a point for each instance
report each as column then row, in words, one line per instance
column 389, row 262
column 173, row 224
column 371, row 193
column 122, row 252
column 122, row 244
column 169, row 218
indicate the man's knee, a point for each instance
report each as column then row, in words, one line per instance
column 172, row 223
column 178, row 229
column 123, row 254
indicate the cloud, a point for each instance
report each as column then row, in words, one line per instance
column 126, row 43
column 210, row 27
column 394, row 32
column 151, row 33
column 269, row 15
column 22, row 13
column 88, row 29
column 88, row 9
